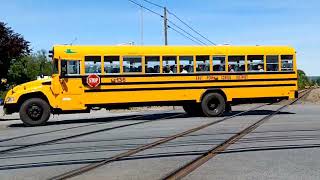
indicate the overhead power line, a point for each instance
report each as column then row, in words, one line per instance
column 146, row 8
column 191, row 27
column 154, row 4
column 183, row 22
column 188, row 34
column 183, row 35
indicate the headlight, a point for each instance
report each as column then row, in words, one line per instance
column 10, row 99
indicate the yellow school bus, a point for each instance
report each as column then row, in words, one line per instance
column 205, row 80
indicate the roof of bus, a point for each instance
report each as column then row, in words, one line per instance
column 75, row 50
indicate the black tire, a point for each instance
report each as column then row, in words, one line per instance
column 193, row 109
column 34, row 112
column 213, row 104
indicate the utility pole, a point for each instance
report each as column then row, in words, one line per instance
column 165, row 23
column 141, row 25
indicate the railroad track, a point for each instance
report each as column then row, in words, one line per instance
column 3, row 152
column 172, row 175
column 110, row 119
column 87, row 125
column 141, row 148
column 304, row 92
column 200, row 160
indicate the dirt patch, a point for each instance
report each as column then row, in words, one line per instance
column 312, row 98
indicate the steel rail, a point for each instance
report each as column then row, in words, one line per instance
column 197, row 162
column 2, row 152
column 113, row 119
column 304, row 93
column 141, row 148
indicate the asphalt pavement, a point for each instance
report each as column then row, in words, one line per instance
column 285, row 147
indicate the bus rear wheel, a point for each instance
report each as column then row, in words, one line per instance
column 213, row 104
column 34, row 112
column 193, row 109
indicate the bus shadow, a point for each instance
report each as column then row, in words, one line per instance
column 150, row 117
column 102, row 120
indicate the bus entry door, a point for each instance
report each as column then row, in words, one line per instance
column 71, row 84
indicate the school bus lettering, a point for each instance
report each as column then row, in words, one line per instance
column 212, row 78
column 241, row 77
column 199, row 78
column 118, row 80
column 226, row 77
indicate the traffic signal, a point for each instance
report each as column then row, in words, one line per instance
column 51, row 53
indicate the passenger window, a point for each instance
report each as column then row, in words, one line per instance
column 152, row 64
column 111, row 64
column 169, row 64
column 236, row 63
column 132, row 64
column 286, row 63
column 202, row 63
column 70, row 67
column 186, row 64
column 272, row 63
column 255, row 63
column 219, row 63
column 92, row 64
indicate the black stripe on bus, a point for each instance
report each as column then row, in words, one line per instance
column 196, row 81
column 179, row 88
column 181, row 74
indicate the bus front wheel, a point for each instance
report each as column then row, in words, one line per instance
column 213, row 104
column 34, row 112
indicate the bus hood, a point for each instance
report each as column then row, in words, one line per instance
column 29, row 86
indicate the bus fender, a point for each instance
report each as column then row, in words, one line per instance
column 36, row 94
column 214, row 90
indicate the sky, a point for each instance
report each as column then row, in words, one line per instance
column 108, row 22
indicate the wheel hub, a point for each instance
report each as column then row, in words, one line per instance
column 34, row 112
column 213, row 104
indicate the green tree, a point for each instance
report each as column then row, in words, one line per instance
column 303, row 80
column 317, row 81
column 45, row 65
column 27, row 68
column 12, row 46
